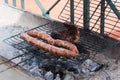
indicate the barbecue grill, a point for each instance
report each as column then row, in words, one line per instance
column 97, row 34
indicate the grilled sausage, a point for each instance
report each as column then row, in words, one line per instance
column 50, row 40
column 41, row 35
column 55, row 46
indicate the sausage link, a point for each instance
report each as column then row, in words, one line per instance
column 41, row 35
column 58, row 47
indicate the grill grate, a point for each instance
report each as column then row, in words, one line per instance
column 112, row 23
column 88, row 40
column 18, row 43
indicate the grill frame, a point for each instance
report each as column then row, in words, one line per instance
column 111, row 22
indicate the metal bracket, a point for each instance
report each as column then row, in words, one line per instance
column 45, row 12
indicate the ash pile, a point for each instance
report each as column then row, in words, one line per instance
column 53, row 67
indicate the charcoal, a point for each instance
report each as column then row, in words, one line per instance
column 74, row 70
column 85, row 71
column 49, row 76
column 35, row 71
column 66, row 63
column 90, row 66
column 62, row 64
column 61, row 73
column 69, row 77
column 57, row 77
column 49, row 67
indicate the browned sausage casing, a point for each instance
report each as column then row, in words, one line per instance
column 58, row 47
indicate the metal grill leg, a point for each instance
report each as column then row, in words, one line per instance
column 86, row 14
column 102, row 17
